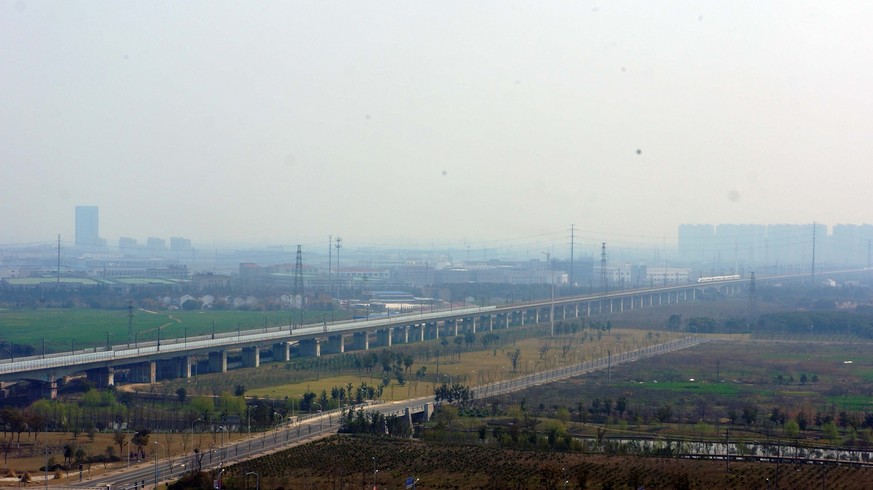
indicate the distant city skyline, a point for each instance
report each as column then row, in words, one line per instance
column 720, row 245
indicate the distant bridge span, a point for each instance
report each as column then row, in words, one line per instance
column 148, row 361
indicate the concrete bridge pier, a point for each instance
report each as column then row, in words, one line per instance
column 383, row 337
column 281, row 352
column 102, row 378
column 218, row 362
column 144, row 372
column 185, row 363
column 178, row 367
column 44, row 389
column 335, row 345
column 251, row 356
column 361, row 341
column 431, row 331
column 418, row 331
column 310, row 348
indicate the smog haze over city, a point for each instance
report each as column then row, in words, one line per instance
column 419, row 123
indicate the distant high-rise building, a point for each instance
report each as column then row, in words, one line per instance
column 696, row 242
column 179, row 244
column 87, row 226
column 126, row 243
column 156, row 243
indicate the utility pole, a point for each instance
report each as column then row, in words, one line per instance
column 129, row 322
column 603, row 279
column 59, row 263
column 552, row 305
column 572, row 248
column 329, row 263
column 813, row 252
column 753, row 301
column 298, row 282
column 339, row 244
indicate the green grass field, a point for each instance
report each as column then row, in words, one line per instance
column 696, row 388
column 89, row 327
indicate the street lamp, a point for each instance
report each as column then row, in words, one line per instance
column 320, row 409
column 257, row 479
column 157, row 456
column 193, row 455
column 223, row 429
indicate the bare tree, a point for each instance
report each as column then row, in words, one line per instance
column 514, row 356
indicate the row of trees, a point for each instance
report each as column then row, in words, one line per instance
column 828, row 321
column 455, row 392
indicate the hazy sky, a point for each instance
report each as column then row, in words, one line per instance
column 413, row 123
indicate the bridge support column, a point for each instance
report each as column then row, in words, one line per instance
column 310, row 348
column 407, row 419
column 144, row 372
column 281, row 352
column 251, row 356
column 168, row 368
column 185, row 363
column 47, row 389
column 361, row 340
column 406, row 334
column 102, row 378
column 334, row 345
column 218, row 362
column 418, row 332
column 383, row 337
